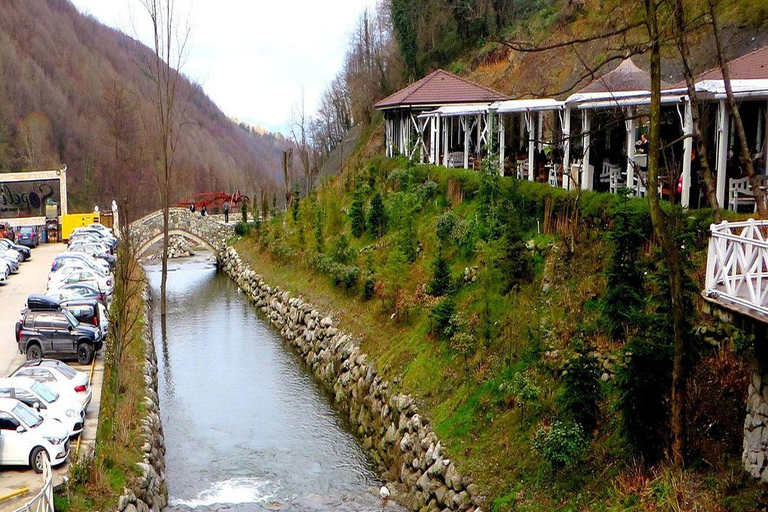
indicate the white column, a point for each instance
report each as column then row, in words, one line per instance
column 502, row 142
column 531, row 144
column 63, row 191
column 630, row 126
column 465, row 122
column 685, row 197
column 586, row 137
column 722, row 152
column 540, row 138
column 432, row 137
column 566, row 147
column 445, row 141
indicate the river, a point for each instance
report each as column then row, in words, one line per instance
column 246, row 427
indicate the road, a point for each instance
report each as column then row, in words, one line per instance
column 33, row 278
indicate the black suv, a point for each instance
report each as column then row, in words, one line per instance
column 47, row 330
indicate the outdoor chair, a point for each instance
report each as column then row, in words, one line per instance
column 740, row 192
column 615, row 179
column 605, row 173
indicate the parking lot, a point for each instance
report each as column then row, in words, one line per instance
column 33, row 278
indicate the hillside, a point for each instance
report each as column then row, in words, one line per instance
column 60, row 75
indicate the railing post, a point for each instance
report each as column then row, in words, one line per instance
column 711, row 260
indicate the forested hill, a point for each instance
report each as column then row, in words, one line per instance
column 69, row 85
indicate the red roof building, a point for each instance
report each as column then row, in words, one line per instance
column 407, row 132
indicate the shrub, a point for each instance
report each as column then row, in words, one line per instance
column 643, row 382
column 377, row 216
column 357, row 213
column 244, row 210
column 345, row 276
column 523, row 390
column 342, row 252
column 242, row 228
column 581, row 393
column 440, row 317
column 427, row 191
column 445, row 225
column 624, row 278
column 369, row 288
column 560, row 444
column 319, row 237
column 515, row 263
column 408, row 241
column 440, row 284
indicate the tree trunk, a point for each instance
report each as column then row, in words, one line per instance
column 663, row 230
column 698, row 136
column 164, row 270
column 734, row 108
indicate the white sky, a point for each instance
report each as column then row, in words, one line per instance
column 253, row 57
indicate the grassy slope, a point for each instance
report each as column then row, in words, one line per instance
column 482, row 430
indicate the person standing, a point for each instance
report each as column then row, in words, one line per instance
column 226, row 212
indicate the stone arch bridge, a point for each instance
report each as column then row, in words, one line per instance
column 205, row 231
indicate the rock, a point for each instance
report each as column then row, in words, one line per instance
column 130, row 507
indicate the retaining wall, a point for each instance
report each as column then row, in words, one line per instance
column 149, row 492
column 388, row 423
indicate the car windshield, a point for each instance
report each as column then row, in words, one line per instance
column 27, row 415
column 72, row 320
column 45, row 392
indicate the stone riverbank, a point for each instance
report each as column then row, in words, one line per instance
column 388, row 423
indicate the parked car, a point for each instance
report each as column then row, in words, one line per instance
column 58, row 376
column 68, row 275
column 12, row 260
column 24, row 251
column 46, row 330
column 46, row 401
column 5, row 271
column 63, row 258
column 90, row 311
column 96, row 235
column 77, row 291
column 27, row 437
column 95, row 253
column 7, row 231
column 28, row 236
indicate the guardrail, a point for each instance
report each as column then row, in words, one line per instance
column 737, row 264
column 43, row 501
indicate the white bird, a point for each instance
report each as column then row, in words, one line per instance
column 384, row 492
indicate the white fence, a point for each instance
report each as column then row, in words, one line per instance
column 43, row 501
column 737, row 264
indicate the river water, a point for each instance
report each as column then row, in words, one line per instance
column 246, row 427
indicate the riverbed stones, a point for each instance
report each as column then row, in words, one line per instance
column 388, row 424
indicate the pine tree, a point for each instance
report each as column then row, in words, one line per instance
column 357, row 213
column 295, row 203
column 377, row 216
column 440, row 284
column 408, row 241
column 244, row 210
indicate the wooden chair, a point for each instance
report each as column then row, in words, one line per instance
column 605, row 173
column 740, row 192
column 615, row 179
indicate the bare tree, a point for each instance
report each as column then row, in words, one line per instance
column 733, row 107
column 170, row 44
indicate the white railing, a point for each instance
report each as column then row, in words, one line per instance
column 43, row 501
column 737, row 264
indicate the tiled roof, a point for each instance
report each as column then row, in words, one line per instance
column 753, row 65
column 440, row 88
column 626, row 77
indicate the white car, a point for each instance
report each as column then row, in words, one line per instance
column 90, row 261
column 70, row 266
column 60, row 377
column 11, row 258
column 88, row 276
column 26, row 437
column 101, row 227
column 5, row 270
column 47, row 402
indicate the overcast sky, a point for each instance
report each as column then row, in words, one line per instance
column 253, row 57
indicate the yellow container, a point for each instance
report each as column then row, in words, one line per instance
column 77, row 220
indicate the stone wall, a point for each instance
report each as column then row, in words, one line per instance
column 388, row 424
column 149, row 491
column 756, row 426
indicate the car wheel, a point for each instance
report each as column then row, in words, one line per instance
column 84, row 353
column 36, row 458
column 34, row 352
